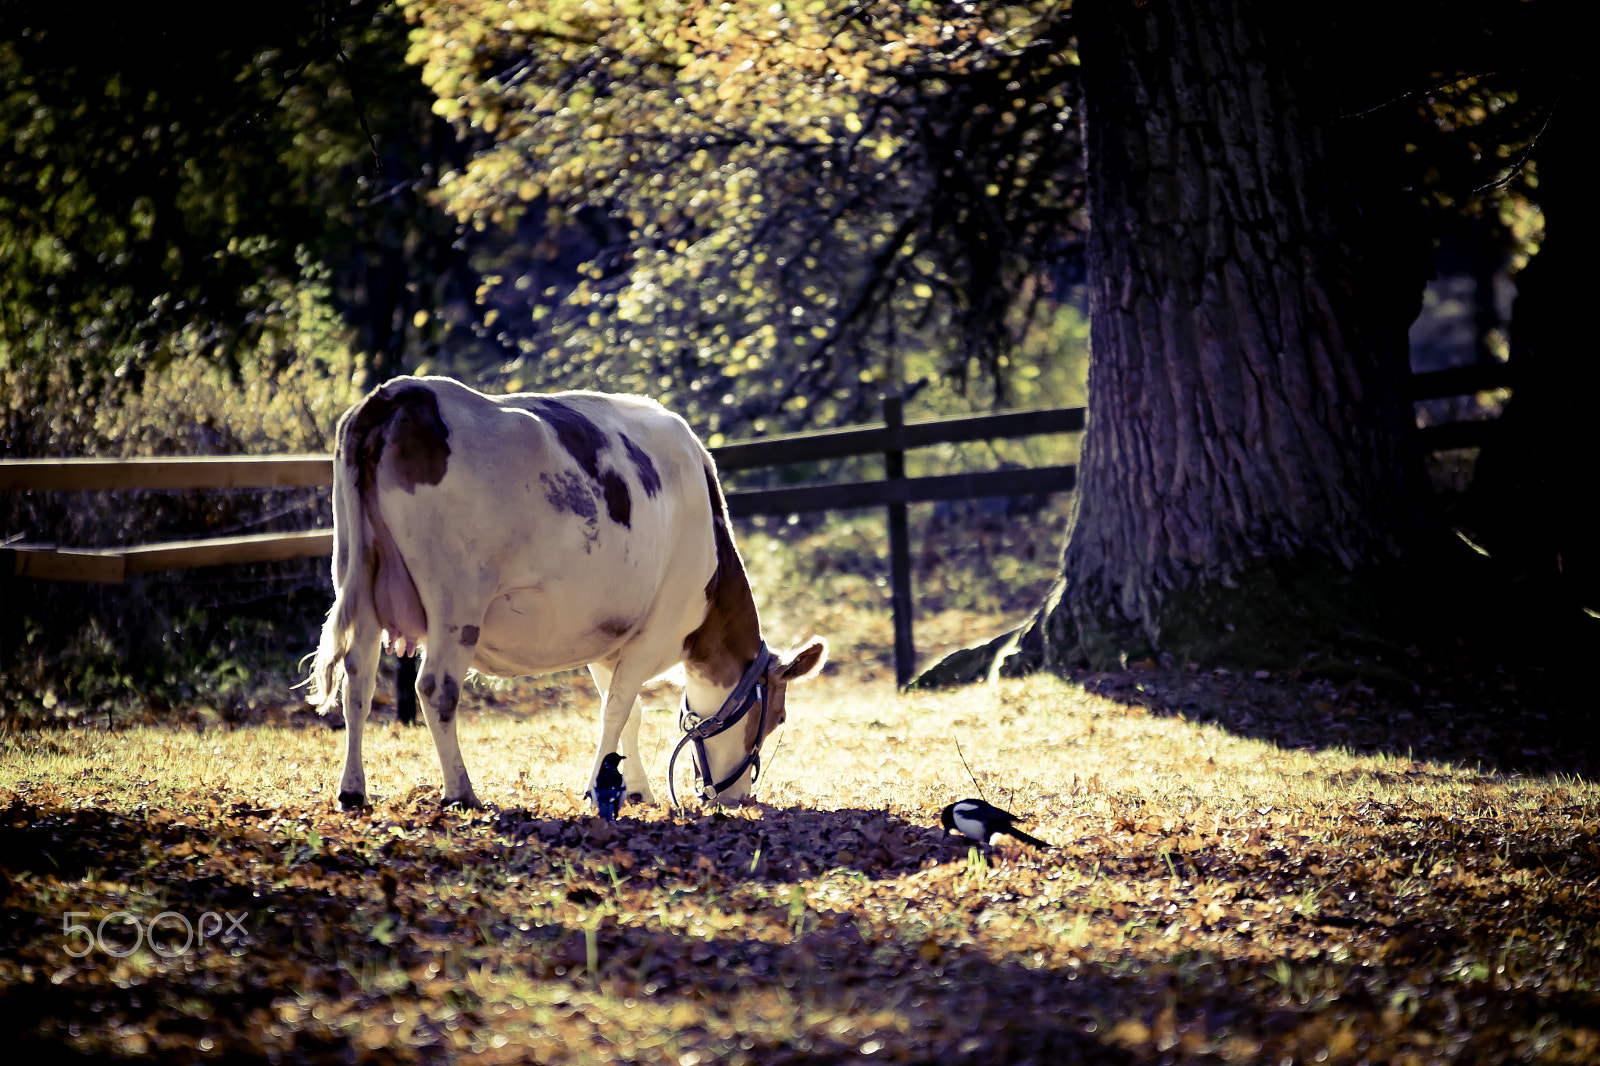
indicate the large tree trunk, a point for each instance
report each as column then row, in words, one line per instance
column 1248, row 448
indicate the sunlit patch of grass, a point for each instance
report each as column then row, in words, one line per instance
column 1214, row 895
column 1041, row 743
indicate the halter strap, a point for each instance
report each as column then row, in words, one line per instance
column 698, row 730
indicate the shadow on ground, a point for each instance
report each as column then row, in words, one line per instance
column 1460, row 709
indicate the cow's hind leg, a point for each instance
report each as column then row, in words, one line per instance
column 444, row 666
column 633, row 768
column 360, row 678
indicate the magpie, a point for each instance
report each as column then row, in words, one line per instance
column 609, row 787
column 983, row 821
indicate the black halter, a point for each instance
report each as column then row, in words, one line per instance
column 697, row 730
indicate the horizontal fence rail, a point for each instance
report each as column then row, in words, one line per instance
column 802, row 499
column 316, row 471
column 873, row 439
column 198, row 472
column 109, row 566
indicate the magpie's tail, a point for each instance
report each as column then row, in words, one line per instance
column 1026, row 838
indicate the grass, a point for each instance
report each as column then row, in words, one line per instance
column 1252, row 869
column 1214, row 897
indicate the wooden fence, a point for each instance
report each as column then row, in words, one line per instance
column 895, row 490
column 892, row 439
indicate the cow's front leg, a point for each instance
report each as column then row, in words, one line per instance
column 444, row 666
column 618, row 716
column 633, row 768
column 355, row 693
column 634, row 773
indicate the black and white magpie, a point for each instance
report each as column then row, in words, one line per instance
column 983, row 822
column 609, row 788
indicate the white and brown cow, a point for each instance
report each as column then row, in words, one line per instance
column 529, row 533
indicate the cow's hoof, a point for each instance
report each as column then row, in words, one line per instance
column 351, row 801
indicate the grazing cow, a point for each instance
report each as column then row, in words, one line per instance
column 530, row 533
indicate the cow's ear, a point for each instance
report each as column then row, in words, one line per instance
column 805, row 661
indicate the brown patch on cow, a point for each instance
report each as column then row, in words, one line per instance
column 794, row 665
column 614, row 627
column 568, row 492
column 400, row 419
column 449, row 691
column 352, row 663
column 619, row 504
column 449, row 696
column 582, row 439
column 727, row 641
column 420, row 442
column 469, row 636
column 649, row 480
column 752, row 721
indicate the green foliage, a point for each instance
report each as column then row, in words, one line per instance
column 172, row 177
column 265, row 402
column 809, row 190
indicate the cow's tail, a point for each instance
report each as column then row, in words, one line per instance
column 352, row 576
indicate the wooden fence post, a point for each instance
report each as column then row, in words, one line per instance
column 894, row 469
column 8, row 605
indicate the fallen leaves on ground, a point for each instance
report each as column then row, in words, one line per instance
column 1400, row 911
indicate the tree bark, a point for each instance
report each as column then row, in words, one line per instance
column 1247, row 425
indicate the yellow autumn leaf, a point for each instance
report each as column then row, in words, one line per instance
column 1130, row 1032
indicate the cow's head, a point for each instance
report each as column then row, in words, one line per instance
column 726, row 750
